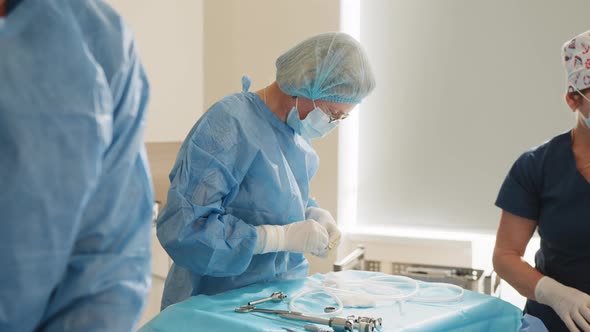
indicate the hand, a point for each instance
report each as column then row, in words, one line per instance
column 324, row 218
column 572, row 305
column 305, row 236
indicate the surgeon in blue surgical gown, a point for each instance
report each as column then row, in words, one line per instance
column 239, row 210
column 76, row 196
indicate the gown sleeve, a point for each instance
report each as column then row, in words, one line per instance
column 194, row 227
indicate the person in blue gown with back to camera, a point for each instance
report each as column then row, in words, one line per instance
column 239, row 210
column 548, row 189
column 76, row 199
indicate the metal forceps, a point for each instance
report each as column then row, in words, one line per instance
column 306, row 327
column 251, row 308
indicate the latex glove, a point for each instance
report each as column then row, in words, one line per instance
column 572, row 305
column 325, row 219
column 305, row 236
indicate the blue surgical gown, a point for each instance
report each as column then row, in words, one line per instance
column 239, row 167
column 76, row 195
column 544, row 185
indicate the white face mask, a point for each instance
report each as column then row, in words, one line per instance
column 581, row 115
column 585, row 120
column 317, row 123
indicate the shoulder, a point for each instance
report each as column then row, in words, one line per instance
column 546, row 151
column 535, row 164
column 226, row 124
column 233, row 110
column 523, row 186
column 96, row 15
column 105, row 33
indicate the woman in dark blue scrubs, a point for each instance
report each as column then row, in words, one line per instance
column 548, row 188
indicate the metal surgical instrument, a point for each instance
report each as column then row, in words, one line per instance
column 339, row 324
column 306, row 327
column 367, row 324
column 251, row 308
column 275, row 297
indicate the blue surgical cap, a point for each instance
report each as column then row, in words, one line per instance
column 330, row 66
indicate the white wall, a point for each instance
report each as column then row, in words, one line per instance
column 246, row 37
column 170, row 39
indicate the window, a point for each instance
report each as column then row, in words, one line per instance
column 463, row 88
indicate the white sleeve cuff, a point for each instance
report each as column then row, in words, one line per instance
column 270, row 238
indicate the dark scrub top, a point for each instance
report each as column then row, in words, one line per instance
column 544, row 185
column 10, row 4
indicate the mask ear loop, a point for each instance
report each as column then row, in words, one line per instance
column 580, row 93
column 297, row 108
column 330, row 119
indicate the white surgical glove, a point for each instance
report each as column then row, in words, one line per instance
column 301, row 236
column 572, row 305
column 325, row 219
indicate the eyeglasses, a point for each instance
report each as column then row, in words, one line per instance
column 333, row 115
